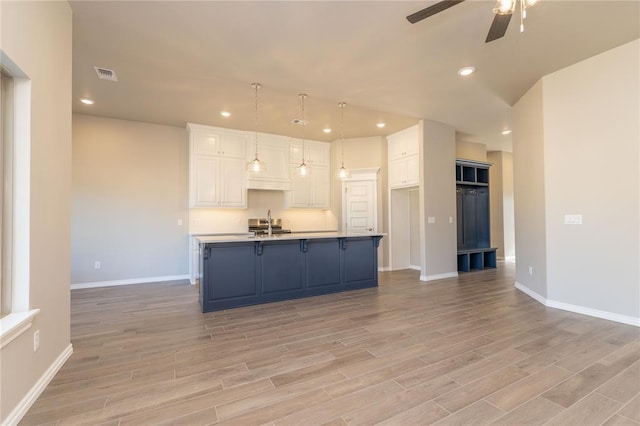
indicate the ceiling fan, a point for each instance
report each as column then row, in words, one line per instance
column 503, row 12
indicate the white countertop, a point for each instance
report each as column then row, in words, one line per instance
column 292, row 236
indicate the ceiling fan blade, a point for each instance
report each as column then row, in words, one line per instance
column 432, row 10
column 498, row 27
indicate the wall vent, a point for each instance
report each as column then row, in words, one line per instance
column 106, row 74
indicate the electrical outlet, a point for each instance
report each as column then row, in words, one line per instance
column 431, row 219
column 97, row 264
column 450, row 219
column 531, row 270
column 179, row 222
column 36, row 340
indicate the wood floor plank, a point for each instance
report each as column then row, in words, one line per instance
column 536, row 411
column 528, row 388
column 624, row 386
column 594, row 409
column 480, row 413
column 474, row 391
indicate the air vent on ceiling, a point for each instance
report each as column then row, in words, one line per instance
column 106, row 74
column 299, row 122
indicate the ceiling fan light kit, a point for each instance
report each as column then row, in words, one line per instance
column 503, row 11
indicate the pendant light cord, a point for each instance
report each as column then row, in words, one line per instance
column 256, row 86
column 342, row 105
column 304, row 123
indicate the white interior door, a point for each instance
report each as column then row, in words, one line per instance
column 360, row 205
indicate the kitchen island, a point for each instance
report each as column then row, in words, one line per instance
column 244, row 270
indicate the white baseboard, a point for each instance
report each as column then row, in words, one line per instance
column 438, row 276
column 23, row 406
column 511, row 259
column 414, row 267
column 624, row 319
column 129, row 282
column 384, row 268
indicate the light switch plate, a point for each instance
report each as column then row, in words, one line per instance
column 573, row 219
column 431, row 219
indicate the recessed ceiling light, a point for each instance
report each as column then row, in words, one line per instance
column 225, row 114
column 506, row 132
column 466, row 71
column 87, row 101
column 381, row 125
column 327, row 130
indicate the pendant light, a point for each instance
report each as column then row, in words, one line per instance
column 255, row 165
column 302, row 169
column 342, row 173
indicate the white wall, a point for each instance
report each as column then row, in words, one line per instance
column 37, row 37
column 529, row 187
column 130, row 186
column 437, row 199
column 576, row 151
column 471, row 150
column 591, row 145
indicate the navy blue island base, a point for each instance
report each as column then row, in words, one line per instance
column 262, row 270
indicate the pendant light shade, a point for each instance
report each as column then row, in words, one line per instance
column 343, row 173
column 302, row 169
column 255, row 165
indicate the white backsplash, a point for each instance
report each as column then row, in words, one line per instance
column 202, row 221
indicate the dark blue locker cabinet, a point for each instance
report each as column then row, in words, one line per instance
column 473, row 219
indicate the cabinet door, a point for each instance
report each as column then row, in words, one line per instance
column 233, row 183
column 299, row 195
column 320, row 187
column 204, row 191
column 229, row 264
column 397, row 173
column 470, row 223
column 396, row 148
column 413, row 170
column 318, row 153
column 233, row 146
column 483, row 225
column 204, row 143
column 460, row 217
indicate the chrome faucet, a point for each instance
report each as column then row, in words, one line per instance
column 270, row 231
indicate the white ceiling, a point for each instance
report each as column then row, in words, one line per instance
column 181, row 62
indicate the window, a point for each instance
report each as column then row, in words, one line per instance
column 15, row 170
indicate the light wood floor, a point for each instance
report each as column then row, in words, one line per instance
column 458, row 351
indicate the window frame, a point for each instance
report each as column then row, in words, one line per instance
column 20, row 317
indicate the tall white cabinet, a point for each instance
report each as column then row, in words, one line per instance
column 404, row 183
column 403, row 158
column 217, row 172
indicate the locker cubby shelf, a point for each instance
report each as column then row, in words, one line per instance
column 477, row 259
column 472, row 173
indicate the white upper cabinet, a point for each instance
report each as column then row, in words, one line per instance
column 403, row 143
column 311, row 191
column 403, row 158
column 315, row 153
column 217, row 172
